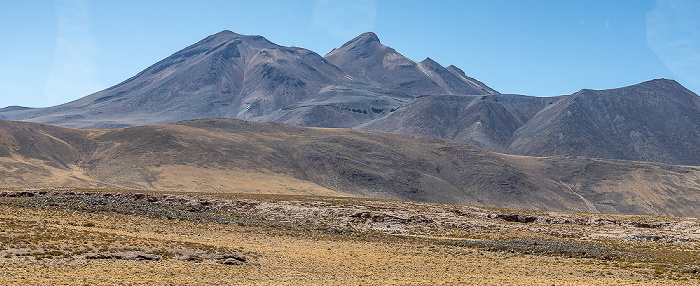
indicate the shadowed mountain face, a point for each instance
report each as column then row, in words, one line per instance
column 366, row 85
column 224, row 155
column 658, row 121
column 485, row 121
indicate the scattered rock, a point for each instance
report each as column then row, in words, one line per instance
column 368, row 216
column 231, row 261
column 644, row 224
column 129, row 255
column 191, row 258
column 99, row 256
column 144, row 256
column 517, row 218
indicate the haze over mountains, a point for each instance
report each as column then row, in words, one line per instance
column 364, row 84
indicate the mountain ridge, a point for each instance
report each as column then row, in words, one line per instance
column 366, row 58
column 364, row 84
column 223, row 75
column 657, row 120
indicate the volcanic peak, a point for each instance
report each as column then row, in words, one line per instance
column 363, row 39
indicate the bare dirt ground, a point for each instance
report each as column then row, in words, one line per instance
column 89, row 237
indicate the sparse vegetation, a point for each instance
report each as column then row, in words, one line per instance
column 139, row 238
column 233, row 156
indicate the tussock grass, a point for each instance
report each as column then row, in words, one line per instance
column 83, row 238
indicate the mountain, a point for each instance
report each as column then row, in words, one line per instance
column 657, row 121
column 223, row 75
column 365, row 58
column 366, row 85
column 234, row 156
column 228, row 75
column 485, row 121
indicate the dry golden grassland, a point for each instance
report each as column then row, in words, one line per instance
column 86, row 238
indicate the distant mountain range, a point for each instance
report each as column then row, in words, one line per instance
column 235, row 156
column 657, row 121
column 366, row 85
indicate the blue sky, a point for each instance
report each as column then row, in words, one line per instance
column 57, row 51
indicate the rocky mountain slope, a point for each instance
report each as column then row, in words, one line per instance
column 366, row 85
column 485, row 121
column 228, row 75
column 657, row 120
column 223, row 75
column 233, row 156
column 367, row 59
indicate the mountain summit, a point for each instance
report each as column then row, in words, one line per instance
column 365, row 58
column 657, row 120
column 223, row 75
column 231, row 75
column 366, row 85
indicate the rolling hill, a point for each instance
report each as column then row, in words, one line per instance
column 233, row 156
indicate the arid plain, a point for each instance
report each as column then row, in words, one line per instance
column 102, row 237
